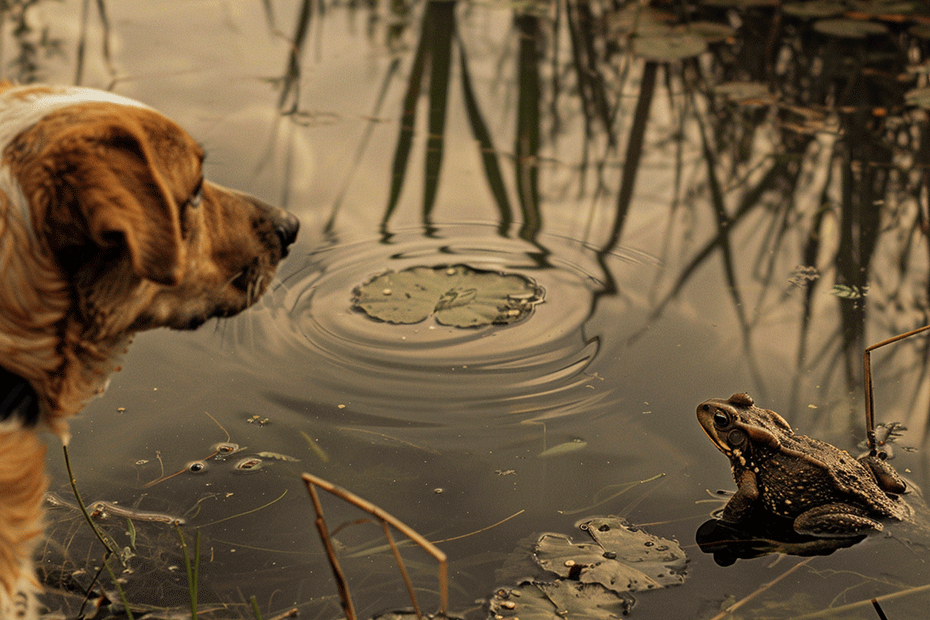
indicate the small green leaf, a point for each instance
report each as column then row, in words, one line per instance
column 844, row 291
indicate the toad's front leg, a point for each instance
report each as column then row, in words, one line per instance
column 747, row 493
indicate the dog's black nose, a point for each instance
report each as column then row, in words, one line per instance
column 286, row 226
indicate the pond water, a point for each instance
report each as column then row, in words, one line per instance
column 743, row 215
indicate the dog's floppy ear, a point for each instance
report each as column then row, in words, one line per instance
column 124, row 201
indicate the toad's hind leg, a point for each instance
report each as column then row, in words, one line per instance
column 836, row 521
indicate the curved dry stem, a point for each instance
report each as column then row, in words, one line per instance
column 312, row 482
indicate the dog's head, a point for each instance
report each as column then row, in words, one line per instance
column 122, row 231
column 119, row 197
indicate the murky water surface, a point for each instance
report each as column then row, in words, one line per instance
column 480, row 144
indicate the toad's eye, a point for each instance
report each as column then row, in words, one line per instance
column 721, row 419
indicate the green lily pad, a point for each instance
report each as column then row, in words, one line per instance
column 596, row 578
column 636, row 20
column 921, row 31
column 533, row 600
column 815, row 9
column 457, row 295
column 711, row 32
column 739, row 4
column 622, row 558
column 849, row 28
column 919, row 97
column 669, row 47
column 743, row 91
column 889, row 7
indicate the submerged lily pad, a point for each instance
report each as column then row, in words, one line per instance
column 669, row 47
column 533, row 600
column 595, row 579
column 919, row 97
column 743, row 91
column 849, row 28
column 815, row 9
column 458, row 296
column 622, row 558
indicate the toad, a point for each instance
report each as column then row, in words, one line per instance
column 822, row 489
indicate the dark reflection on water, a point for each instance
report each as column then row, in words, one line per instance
column 746, row 219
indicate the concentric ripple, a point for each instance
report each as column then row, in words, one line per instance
column 435, row 374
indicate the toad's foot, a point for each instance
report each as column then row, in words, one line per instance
column 836, row 521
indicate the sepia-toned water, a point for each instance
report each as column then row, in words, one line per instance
column 688, row 246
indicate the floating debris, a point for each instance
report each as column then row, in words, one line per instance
column 225, row 449
column 277, row 457
column 563, row 448
column 250, row 464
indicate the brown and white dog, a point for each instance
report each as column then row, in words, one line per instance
column 107, row 227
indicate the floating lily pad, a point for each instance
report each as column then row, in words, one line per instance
column 919, row 97
column 596, row 579
column 849, row 28
column 457, row 295
column 533, row 600
column 622, row 558
column 743, row 91
column 669, row 47
column 814, row 9
column 712, row 31
column 740, row 4
column 921, row 31
column 638, row 20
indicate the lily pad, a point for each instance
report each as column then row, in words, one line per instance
column 712, row 32
column 814, row 9
column 622, row 558
column 669, row 47
column 921, row 31
column 457, row 295
column 636, row 20
column 533, row 600
column 596, row 579
column 743, row 91
column 919, row 97
column 849, row 28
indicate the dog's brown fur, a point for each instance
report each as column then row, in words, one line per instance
column 114, row 231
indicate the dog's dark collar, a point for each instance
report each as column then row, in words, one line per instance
column 18, row 401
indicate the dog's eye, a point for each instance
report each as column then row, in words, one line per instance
column 197, row 196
